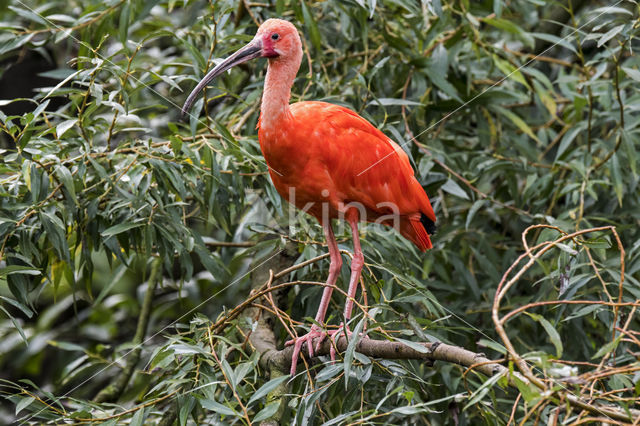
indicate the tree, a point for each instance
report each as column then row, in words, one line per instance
column 150, row 273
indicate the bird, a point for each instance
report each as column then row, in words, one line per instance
column 330, row 162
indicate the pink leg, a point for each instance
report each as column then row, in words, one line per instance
column 356, row 267
column 334, row 270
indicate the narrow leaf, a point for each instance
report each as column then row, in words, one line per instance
column 348, row 355
column 212, row 405
column 267, row 387
column 268, row 411
column 121, row 227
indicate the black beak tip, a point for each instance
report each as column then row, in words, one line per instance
column 184, row 113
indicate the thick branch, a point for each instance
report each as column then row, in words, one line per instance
column 391, row 350
column 278, row 362
column 281, row 360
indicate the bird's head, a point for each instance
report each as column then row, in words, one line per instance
column 276, row 39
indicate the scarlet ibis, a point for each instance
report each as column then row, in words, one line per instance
column 330, row 162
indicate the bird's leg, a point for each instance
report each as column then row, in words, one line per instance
column 316, row 332
column 356, row 267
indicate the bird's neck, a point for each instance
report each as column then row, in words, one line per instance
column 277, row 90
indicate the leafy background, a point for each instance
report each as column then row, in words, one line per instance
column 524, row 112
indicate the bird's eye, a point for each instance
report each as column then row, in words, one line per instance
column 275, row 36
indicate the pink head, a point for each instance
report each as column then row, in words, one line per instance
column 276, row 39
column 279, row 39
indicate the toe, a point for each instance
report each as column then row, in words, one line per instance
column 294, row 357
column 310, row 346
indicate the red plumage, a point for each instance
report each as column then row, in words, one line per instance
column 330, row 162
column 324, row 147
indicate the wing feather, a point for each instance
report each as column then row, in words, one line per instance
column 365, row 165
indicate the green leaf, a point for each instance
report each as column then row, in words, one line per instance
column 18, row 269
column 120, row 228
column 519, row 122
column 611, row 9
column 24, row 403
column 209, row 404
column 56, row 232
column 497, row 7
column 312, row 27
column 528, row 390
column 390, row 101
column 546, row 98
column 62, row 83
column 438, row 78
column 556, row 41
column 25, row 309
column 123, row 30
column 138, row 418
column 39, row 109
column 228, row 371
column 437, row 8
column 351, row 348
column 479, row 393
column 475, row 207
column 510, row 71
column 616, row 177
column 629, row 143
column 62, row 128
column 568, row 137
column 597, row 242
column 413, row 345
column 510, row 27
column 493, row 345
column 267, row 412
column 16, row 324
column 186, row 404
column 329, row 372
column 29, row 15
column 610, row 34
column 67, row 181
column 453, row 188
column 609, row 347
column 66, row 346
column 551, row 331
column 632, row 72
column 14, row 43
column 267, row 388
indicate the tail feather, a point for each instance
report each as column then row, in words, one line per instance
column 417, row 231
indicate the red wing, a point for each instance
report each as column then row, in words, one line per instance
column 365, row 165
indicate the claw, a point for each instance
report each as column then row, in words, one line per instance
column 314, row 333
column 335, row 336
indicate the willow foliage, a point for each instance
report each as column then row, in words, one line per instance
column 514, row 113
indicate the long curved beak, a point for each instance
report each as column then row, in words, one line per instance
column 250, row 51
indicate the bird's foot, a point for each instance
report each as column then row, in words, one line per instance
column 315, row 333
column 335, row 336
